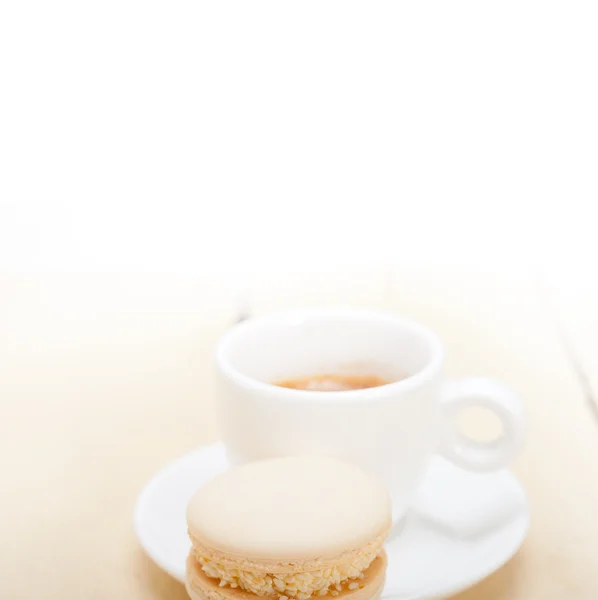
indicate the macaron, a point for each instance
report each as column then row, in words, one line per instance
column 288, row 528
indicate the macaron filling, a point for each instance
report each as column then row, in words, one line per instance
column 332, row 578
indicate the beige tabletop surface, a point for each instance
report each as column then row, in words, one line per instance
column 104, row 379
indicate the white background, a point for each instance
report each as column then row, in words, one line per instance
column 230, row 138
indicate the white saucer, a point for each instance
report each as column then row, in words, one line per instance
column 462, row 528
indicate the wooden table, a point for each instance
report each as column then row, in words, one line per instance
column 105, row 379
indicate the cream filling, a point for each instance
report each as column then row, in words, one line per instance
column 320, row 582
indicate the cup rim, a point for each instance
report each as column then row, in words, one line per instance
column 427, row 373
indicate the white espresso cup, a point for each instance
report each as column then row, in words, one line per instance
column 391, row 430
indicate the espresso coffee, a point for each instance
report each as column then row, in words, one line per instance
column 333, row 383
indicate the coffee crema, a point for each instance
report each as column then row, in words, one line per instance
column 333, row 383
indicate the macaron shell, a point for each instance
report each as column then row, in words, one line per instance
column 289, row 509
column 275, row 565
column 201, row 587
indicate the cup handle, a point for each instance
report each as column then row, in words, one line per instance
column 474, row 455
